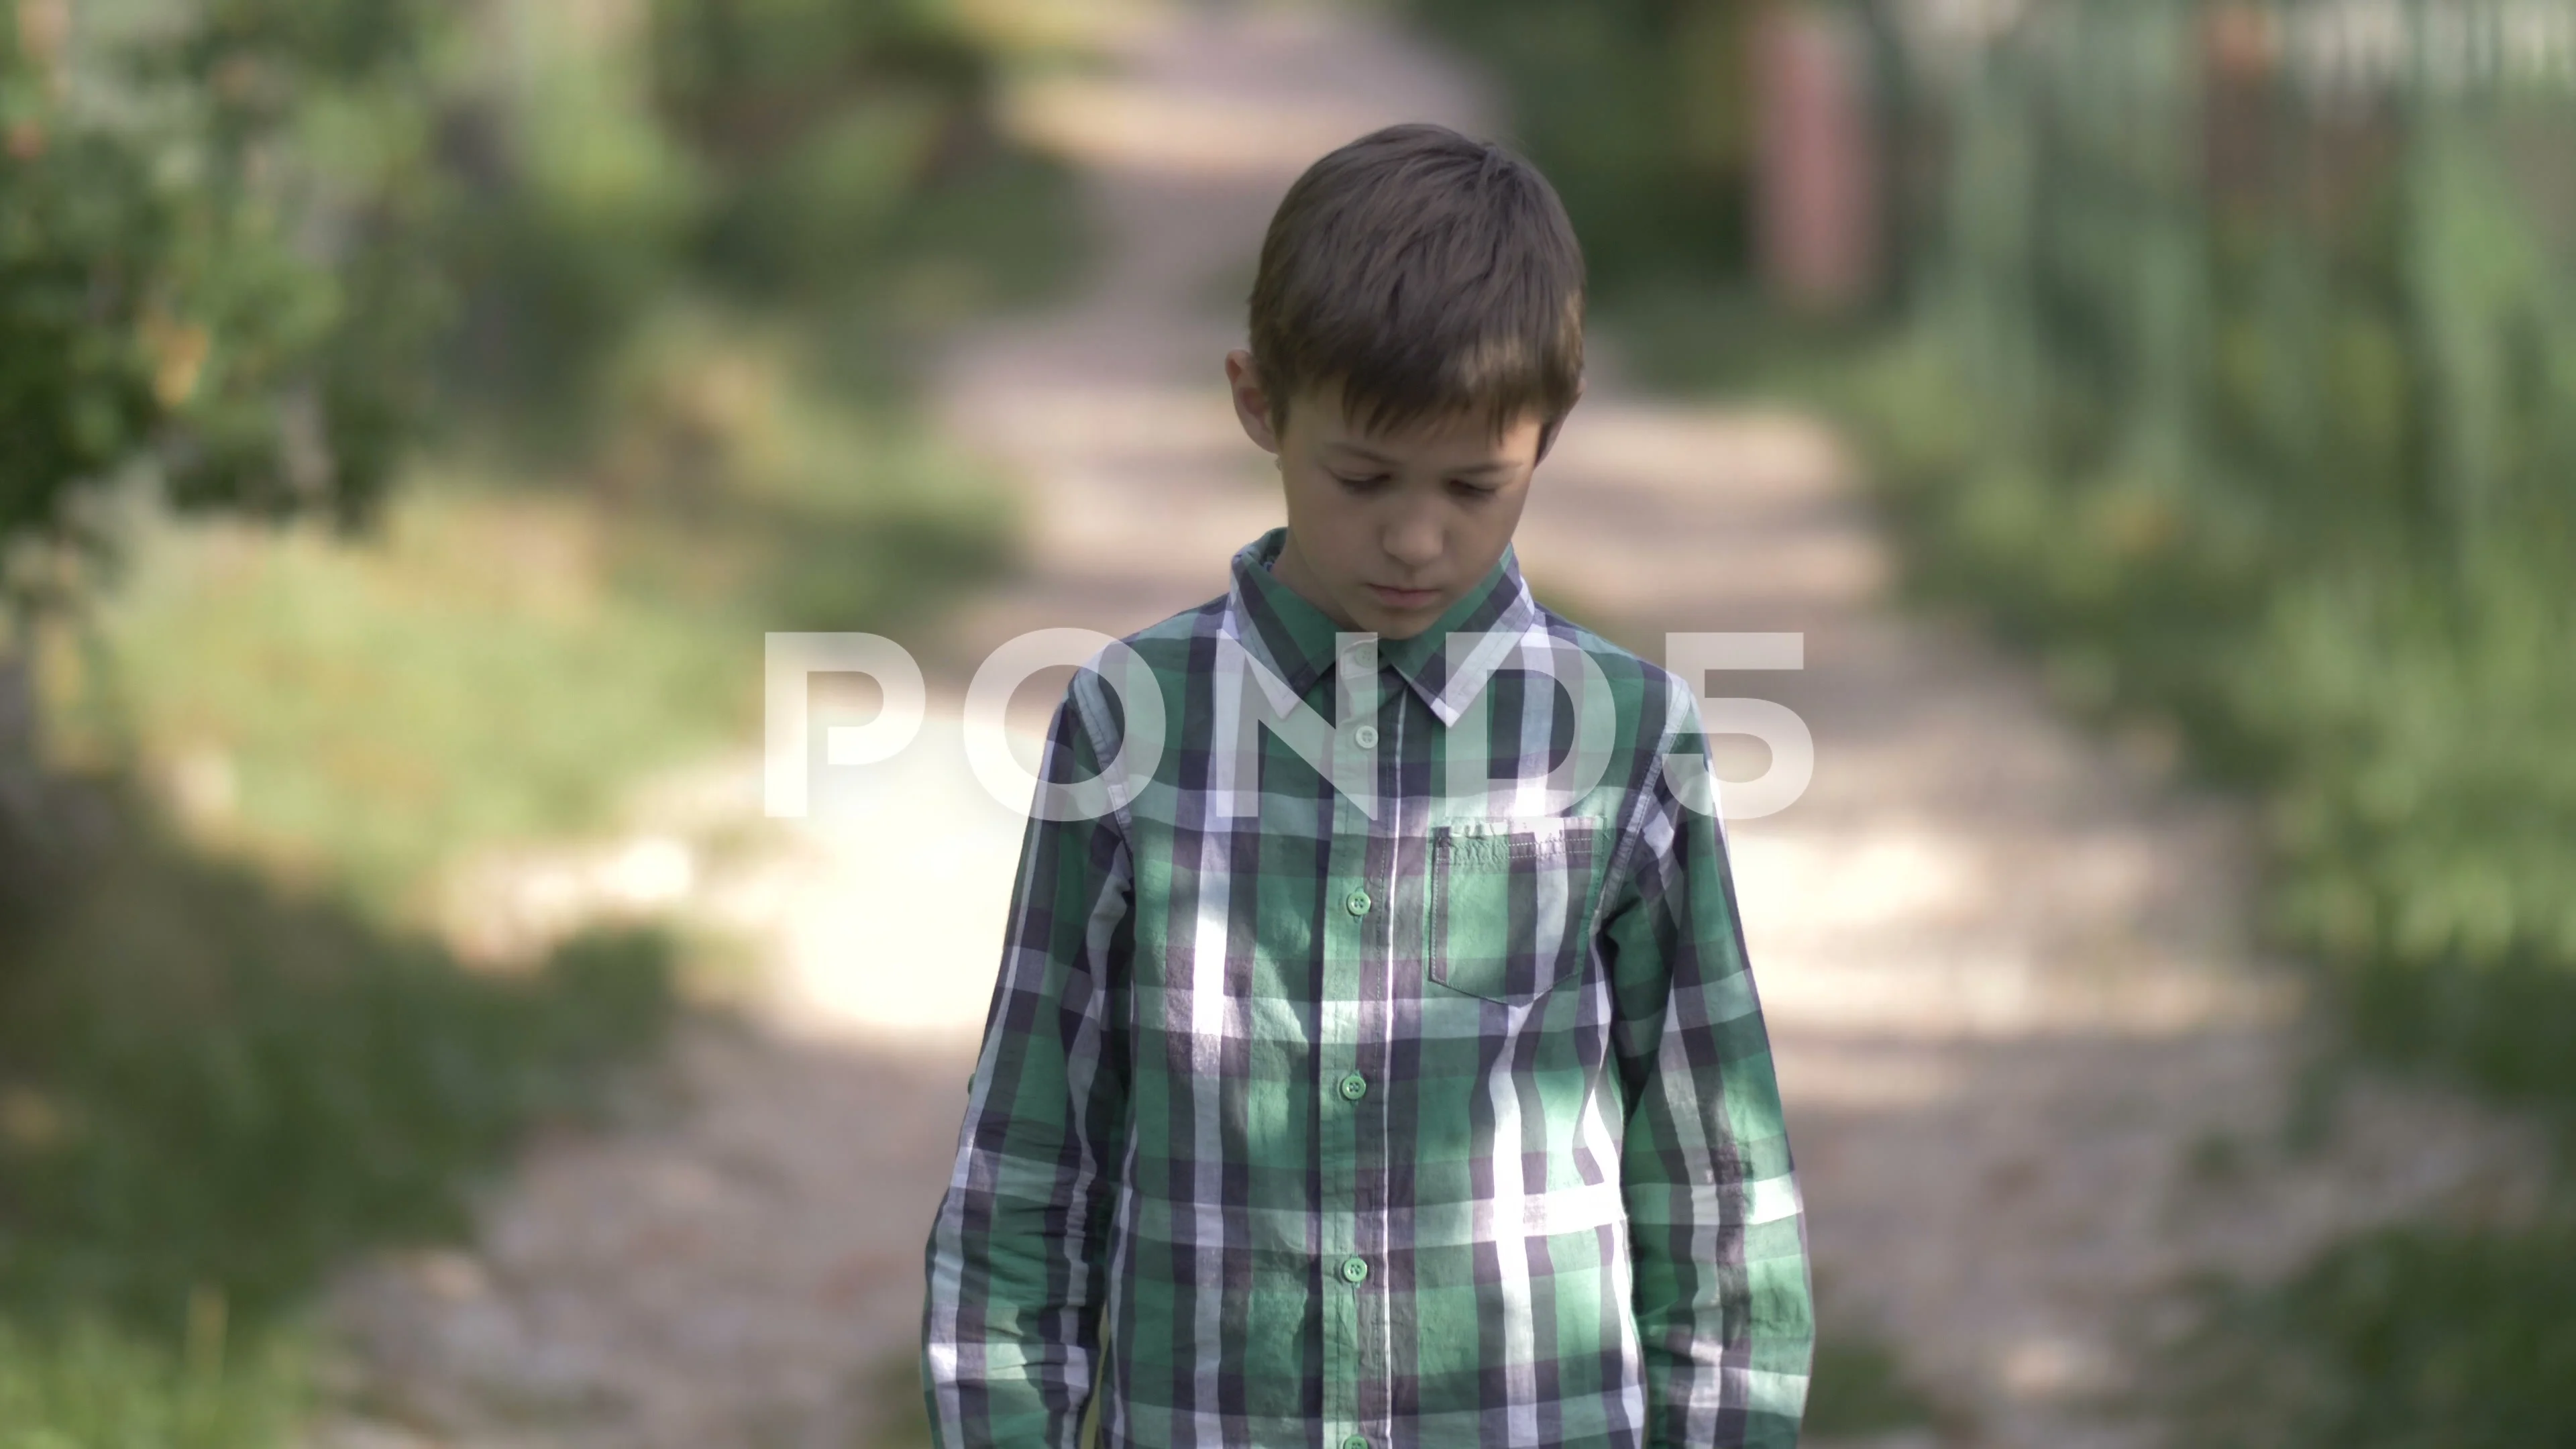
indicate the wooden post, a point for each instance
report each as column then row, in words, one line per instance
column 1816, row 182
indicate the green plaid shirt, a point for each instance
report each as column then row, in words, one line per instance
column 1343, row 1108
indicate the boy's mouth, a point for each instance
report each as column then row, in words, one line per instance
column 1403, row 598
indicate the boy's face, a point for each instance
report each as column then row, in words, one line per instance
column 1386, row 532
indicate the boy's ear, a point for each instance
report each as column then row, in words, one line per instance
column 1251, row 401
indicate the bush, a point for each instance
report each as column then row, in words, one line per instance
column 2284, row 464
column 2402, row 1338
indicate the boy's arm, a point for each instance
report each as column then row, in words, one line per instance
column 1723, row 1300
column 1017, row 1261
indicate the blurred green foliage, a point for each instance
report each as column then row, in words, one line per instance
column 1639, row 113
column 2256, row 410
column 2247, row 397
column 2399, row 1338
column 2237, row 378
column 92, row 1383
column 259, row 246
column 684, row 258
column 592, row 328
column 823, row 161
column 1859, row 1389
column 824, row 118
column 198, row 271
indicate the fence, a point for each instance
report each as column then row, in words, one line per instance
column 2321, row 250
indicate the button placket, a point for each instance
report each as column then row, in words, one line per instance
column 1362, row 903
column 1355, row 865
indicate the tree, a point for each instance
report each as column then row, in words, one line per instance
column 211, row 278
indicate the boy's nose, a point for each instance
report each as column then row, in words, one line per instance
column 1414, row 544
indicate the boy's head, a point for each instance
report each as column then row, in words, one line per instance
column 1417, row 339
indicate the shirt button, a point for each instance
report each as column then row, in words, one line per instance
column 1356, row 1441
column 1367, row 736
column 1354, row 1269
column 1359, row 903
column 1354, row 1086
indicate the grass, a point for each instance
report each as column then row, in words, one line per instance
column 339, row 701
column 93, row 1384
column 208, row 1101
column 506, row 658
column 1859, row 1388
column 893, row 1393
column 2406, row 1338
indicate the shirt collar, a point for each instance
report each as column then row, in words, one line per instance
column 1296, row 640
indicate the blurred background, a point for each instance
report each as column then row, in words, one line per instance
column 2158, row 417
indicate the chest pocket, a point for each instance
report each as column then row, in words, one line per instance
column 1509, row 903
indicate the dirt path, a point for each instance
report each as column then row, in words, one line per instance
column 2036, row 1077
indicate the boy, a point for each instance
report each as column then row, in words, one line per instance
column 1360, row 1074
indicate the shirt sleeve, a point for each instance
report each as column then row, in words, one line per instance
column 1722, row 1294
column 1017, row 1262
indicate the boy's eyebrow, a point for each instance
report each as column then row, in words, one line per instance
column 1491, row 465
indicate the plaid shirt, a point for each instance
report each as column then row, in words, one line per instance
column 1294, row 1124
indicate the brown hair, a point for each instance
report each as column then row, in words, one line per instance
column 1426, row 273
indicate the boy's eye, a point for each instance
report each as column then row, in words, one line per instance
column 1372, row 480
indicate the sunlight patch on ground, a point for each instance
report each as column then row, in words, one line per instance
column 1913, row 931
